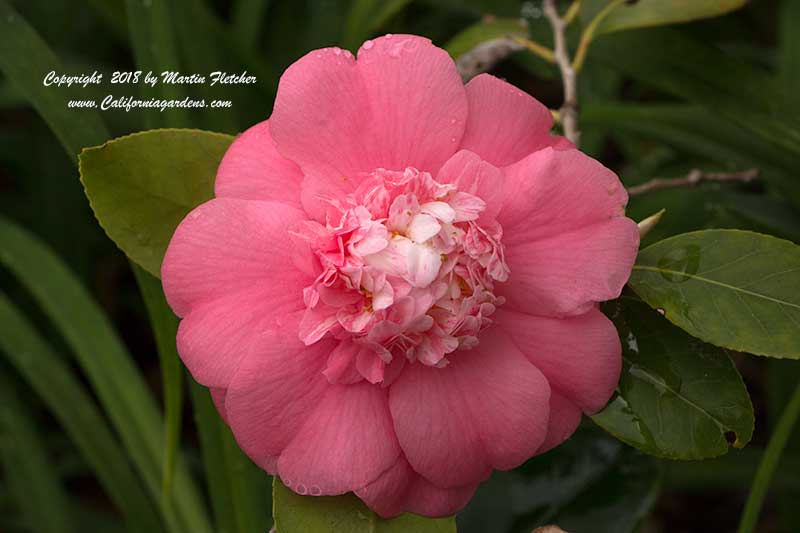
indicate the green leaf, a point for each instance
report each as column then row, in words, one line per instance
column 695, row 71
column 332, row 514
column 109, row 368
column 592, row 482
column 50, row 377
column 483, row 31
column 165, row 326
column 789, row 58
column 695, row 131
column 28, row 471
column 769, row 463
column 25, row 59
column 248, row 18
column 732, row 471
column 732, row 288
column 677, row 397
column 142, row 185
column 239, row 490
column 153, row 39
column 654, row 12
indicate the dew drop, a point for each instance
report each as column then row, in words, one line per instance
column 368, row 45
column 315, row 491
column 388, row 36
column 301, row 489
column 287, row 482
column 452, row 139
column 661, row 311
column 337, row 51
column 453, row 121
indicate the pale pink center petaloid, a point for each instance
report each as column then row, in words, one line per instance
column 408, row 273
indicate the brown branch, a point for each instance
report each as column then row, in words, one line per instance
column 485, row 56
column 692, row 179
column 569, row 109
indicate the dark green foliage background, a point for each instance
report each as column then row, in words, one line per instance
column 719, row 95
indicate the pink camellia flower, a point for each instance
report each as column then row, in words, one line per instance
column 395, row 289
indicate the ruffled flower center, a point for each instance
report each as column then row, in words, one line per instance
column 408, row 273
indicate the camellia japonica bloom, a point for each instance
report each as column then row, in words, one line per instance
column 395, row 289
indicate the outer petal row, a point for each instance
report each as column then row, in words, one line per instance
column 401, row 104
column 505, row 124
column 230, row 271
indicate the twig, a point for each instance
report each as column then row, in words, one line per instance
column 569, row 109
column 484, row 56
column 692, row 179
column 536, row 48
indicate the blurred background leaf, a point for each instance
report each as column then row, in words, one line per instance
column 717, row 94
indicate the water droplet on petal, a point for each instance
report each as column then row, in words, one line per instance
column 315, row 491
column 388, row 35
column 368, row 45
column 661, row 311
column 453, row 121
column 301, row 489
column 337, row 51
column 452, row 139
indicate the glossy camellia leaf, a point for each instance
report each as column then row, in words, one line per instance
column 592, row 482
column 332, row 514
column 142, row 185
column 732, row 288
column 677, row 397
column 645, row 13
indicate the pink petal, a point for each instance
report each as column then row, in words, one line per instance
column 214, row 336
column 440, row 210
column 341, row 365
column 567, row 274
column 400, row 490
column 274, row 392
column 228, row 246
column 402, row 104
column 564, row 419
column 553, row 192
column 345, row 444
column 218, row 397
column 487, row 409
column 422, row 228
column 505, row 124
column 316, row 323
column 370, row 365
column 253, row 170
column 474, row 176
column 580, row 356
column 423, row 265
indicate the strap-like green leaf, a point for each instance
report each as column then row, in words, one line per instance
column 645, row 13
column 28, row 472
column 165, row 326
column 239, row 489
column 25, row 59
column 108, row 366
column 65, row 397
